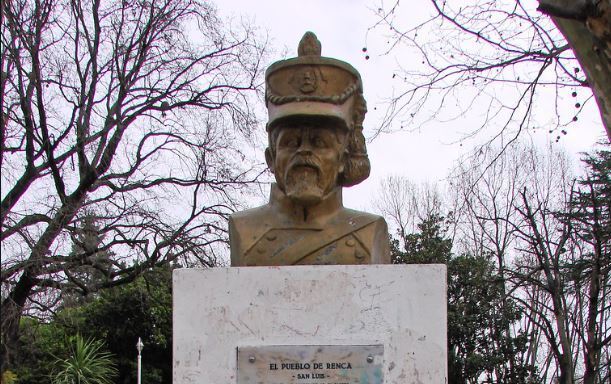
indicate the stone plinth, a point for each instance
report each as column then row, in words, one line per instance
column 402, row 307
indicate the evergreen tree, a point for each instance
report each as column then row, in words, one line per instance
column 93, row 263
column 589, row 273
column 428, row 246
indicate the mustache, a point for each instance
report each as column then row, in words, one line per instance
column 305, row 161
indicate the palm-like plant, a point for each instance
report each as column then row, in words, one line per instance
column 87, row 364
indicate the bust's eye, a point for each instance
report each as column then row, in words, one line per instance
column 319, row 142
column 290, row 142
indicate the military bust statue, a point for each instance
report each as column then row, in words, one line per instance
column 316, row 146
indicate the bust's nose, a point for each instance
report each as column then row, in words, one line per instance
column 305, row 146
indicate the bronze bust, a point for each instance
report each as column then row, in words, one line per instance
column 316, row 147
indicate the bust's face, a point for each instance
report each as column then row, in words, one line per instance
column 308, row 159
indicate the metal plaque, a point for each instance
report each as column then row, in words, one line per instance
column 311, row 364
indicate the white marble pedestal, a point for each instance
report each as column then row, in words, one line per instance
column 402, row 307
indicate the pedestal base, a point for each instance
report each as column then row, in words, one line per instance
column 401, row 307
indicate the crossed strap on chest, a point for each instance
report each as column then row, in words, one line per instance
column 313, row 240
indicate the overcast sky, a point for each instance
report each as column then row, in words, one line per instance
column 422, row 153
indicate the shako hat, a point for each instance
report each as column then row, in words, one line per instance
column 311, row 85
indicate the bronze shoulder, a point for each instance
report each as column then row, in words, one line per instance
column 245, row 228
column 374, row 235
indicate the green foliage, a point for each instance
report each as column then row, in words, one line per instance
column 591, row 213
column 587, row 264
column 8, row 377
column 87, row 363
column 140, row 309
column 38, row 344
column 117, row 317
column 479, row 316
column 428, row 246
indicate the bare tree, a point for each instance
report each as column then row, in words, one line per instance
column 482, row 343
column 406, row 204
column 121, row 112
column 537, row 270
column 563, row 268
column 502, row 60
column 549, row 238
column 485, row 190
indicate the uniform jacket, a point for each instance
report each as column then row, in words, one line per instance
column 281, row 233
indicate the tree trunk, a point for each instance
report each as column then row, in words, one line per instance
column 592, row 349
column 12, row 309
column 565, row 360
